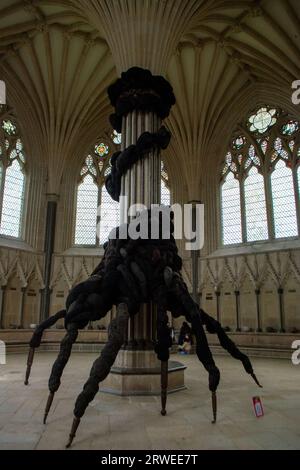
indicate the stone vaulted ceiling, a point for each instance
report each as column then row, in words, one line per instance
column 223, row 57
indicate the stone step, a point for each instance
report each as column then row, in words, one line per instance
column 253, row 351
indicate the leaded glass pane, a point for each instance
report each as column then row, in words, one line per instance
column 290, row 128
column 109, row 215
column 107, row 170
column 116, row 137
column 86, row 212
column 255, row 205
column 262, row 120
column 9, row 127
column 264, row 145
column 239, row 142
column 13, row 196
column 279, row 150
column 90, row 165
column 284, row 206
column 231, row 211
column 101, row 150
column 165, row 197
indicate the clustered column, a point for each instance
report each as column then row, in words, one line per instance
column 141, row 101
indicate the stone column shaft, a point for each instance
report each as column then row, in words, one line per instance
column 281, row 310
column 22, row 303
column 141, row 185
column 2, row 300
column 237, row 307
column 48, row 249
column 257, row 293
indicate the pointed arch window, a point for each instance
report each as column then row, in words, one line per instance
column 260, row 179
column 231, row 210
column 283, row 199
column 96, row 212
column 255, row 207
column 12, row 179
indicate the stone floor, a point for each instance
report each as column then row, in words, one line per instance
column 113, row 422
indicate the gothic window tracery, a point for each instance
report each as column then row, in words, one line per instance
column 259, row 179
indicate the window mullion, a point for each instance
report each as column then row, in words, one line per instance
column 243, row 210
column 269, row 204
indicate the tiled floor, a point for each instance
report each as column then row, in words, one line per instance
column 113, row 422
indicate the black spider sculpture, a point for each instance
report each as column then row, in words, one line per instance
column 133, row 272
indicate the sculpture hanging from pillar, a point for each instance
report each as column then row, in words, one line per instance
column 134, row 271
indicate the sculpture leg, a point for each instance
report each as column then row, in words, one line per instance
column 60, row 363
column 191, row 311
column 164, row 386
column 205, row 356
column 37, row 338
column 163, row 344
column 101, row 366
column 213, row 326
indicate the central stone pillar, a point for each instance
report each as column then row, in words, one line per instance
column 137, row 369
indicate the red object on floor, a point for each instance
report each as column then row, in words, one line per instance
column 258, row 408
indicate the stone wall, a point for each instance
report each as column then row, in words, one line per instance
column 259, row 287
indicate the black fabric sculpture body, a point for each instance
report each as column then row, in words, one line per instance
column 133, row 272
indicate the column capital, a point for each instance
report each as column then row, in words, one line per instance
column 141, row 32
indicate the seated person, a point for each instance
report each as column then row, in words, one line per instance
column 186, row 346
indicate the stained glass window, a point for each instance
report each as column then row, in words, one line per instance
column 12, row 201
column 290, row 128
column 262, row 120
column 101, row 150
column 255, row 207
column 9, row 128
column 283, row 196
column 238, row 142
column 86, row 212
column 93, row 224
column 12, row 180
column 261, row 166
column 231, row 211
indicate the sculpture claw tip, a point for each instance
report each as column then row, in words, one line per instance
column 255, row 380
